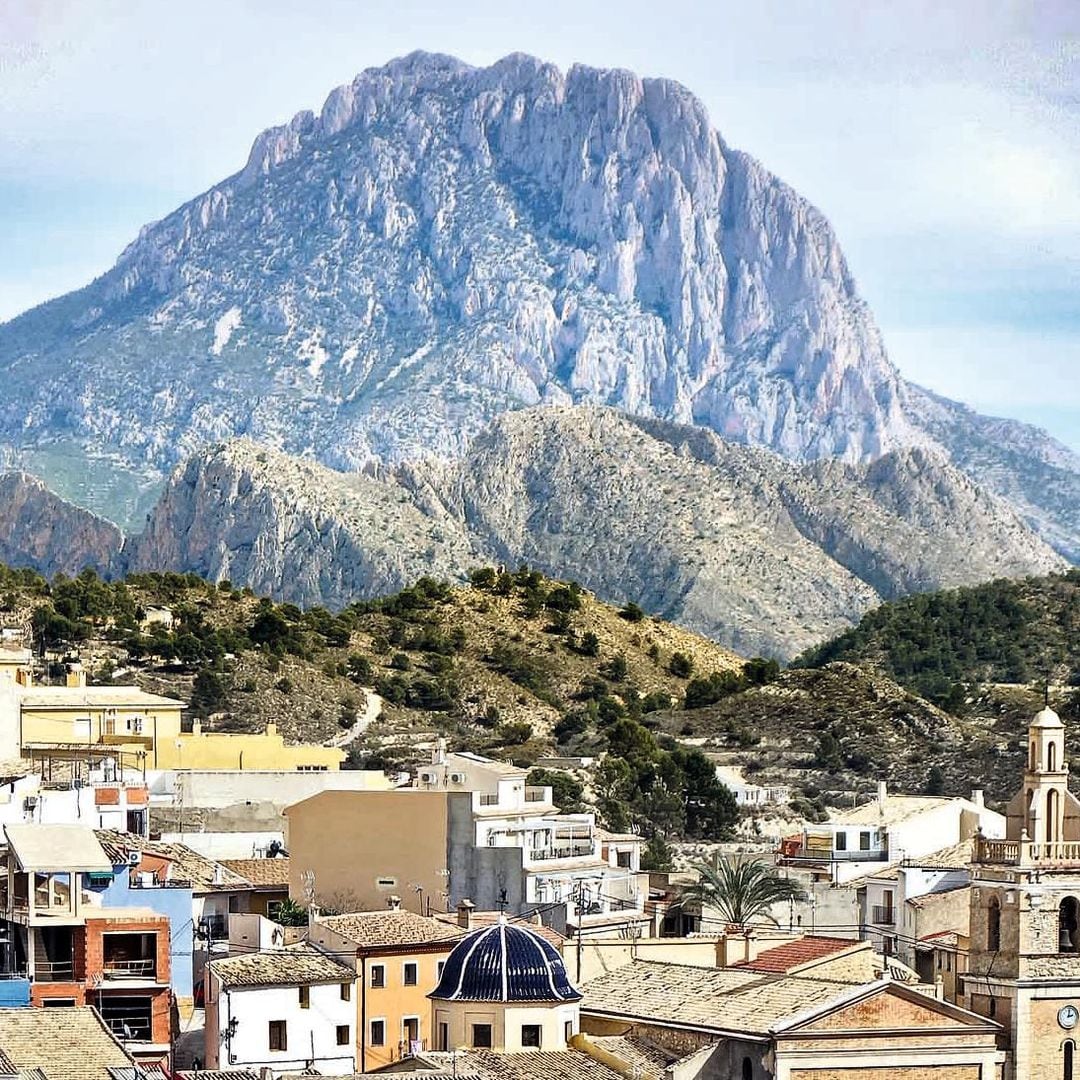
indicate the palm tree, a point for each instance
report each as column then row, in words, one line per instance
column 740, row 891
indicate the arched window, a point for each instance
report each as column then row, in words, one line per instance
column 1051, row 757
column 1051, row 817
column 1068, row 1049
column 747, row 1069
column 993, row 925
column 1031, row 757
column 1067, row 925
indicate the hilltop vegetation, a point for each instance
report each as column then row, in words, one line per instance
column 942, row 644
column 515, row 665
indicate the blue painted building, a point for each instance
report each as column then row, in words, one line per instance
column 14, row 993
column 169, row 900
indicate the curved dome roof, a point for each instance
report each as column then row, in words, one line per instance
column 504, row 963
column 1047, row 718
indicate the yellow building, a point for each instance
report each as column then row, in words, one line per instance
column 139, row 728
column 398, row 957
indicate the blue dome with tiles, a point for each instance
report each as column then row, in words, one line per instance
column 504, row 962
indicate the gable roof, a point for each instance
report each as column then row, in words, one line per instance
column 295, row 965
column 183, row 863
column 794, row 954
column 378, row 929
column 714, row 999
column 262, row 873
column 57, row 848
column 95, row 697
column 897, row 808
column 66, row 1044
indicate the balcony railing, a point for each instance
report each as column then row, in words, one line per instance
column 129, row 969
column 54, row 970
column 563, row 851
column 809, row 855
column 883, row 916
column 1025, row 852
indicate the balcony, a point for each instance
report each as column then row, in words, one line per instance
column 818, row 855
column 575, row 850
column 54, row 971
column 1026, row 853
column 883, row 916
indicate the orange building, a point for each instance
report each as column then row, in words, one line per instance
column 398, row 958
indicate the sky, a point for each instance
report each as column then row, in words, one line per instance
column 941, row 139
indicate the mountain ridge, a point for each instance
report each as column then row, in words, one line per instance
column 764, row 555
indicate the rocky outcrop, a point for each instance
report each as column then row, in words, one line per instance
column 41, row 531
column 759, row 553
column 294, row 530
column 443, row 244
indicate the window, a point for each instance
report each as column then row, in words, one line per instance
column 841, row 841
column 993, row 1008
column 1067, row 925
column 346, row 991
column 1051, row 757
column 444, row 1035
column 378, row 975
column 864, row 841
column 623, row 859
column 993, row 925
column 1068, row 1049
column 408, row 974
column 378, row 1032
column 385, row 882
column 234, row 904
column 481, row 1036
column 530, row 1035
column 439, row 969
column 59, row 1003
column 278, row 1040
column 747, row 1069
column 343, row 1034
column 568, row 1030
column 305, row 997
column 410, row 1031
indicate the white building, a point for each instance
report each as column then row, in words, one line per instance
column 283, row 1010
column 499, row 825
column 751, row 795
column 887, row 831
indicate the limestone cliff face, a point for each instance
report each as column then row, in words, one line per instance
column 294, row 530
column 41, row 531
column 444, row 243
column 762, row 554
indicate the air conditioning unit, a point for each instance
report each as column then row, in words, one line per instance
column 427, row 778
column 457, row 778
column 134, row 858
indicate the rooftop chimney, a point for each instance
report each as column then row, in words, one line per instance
column 464, row 914
column 393, row 903
column 438, row 755
column 76, row 677
column 977, row 797
column 882, row 794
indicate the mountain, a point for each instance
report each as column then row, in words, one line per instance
column 996, row 633
column 443, row 244
column 759, row 553
column 41, row 531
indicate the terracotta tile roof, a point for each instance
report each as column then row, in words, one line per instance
column 66, row 1044
column 217, row 1074
column 489, row 918
column 722, row 999
column 943, row 939
column 644, row 1057
column 95, row 697
column 794, row 954
column 525, row 1065
column 932, row 898
column 369, row 929
column 957, row 856
column 184, row 864
column 261, row 872
column 295, row 965
column 897, row 808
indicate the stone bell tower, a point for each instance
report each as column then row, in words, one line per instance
column 1024, row 954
